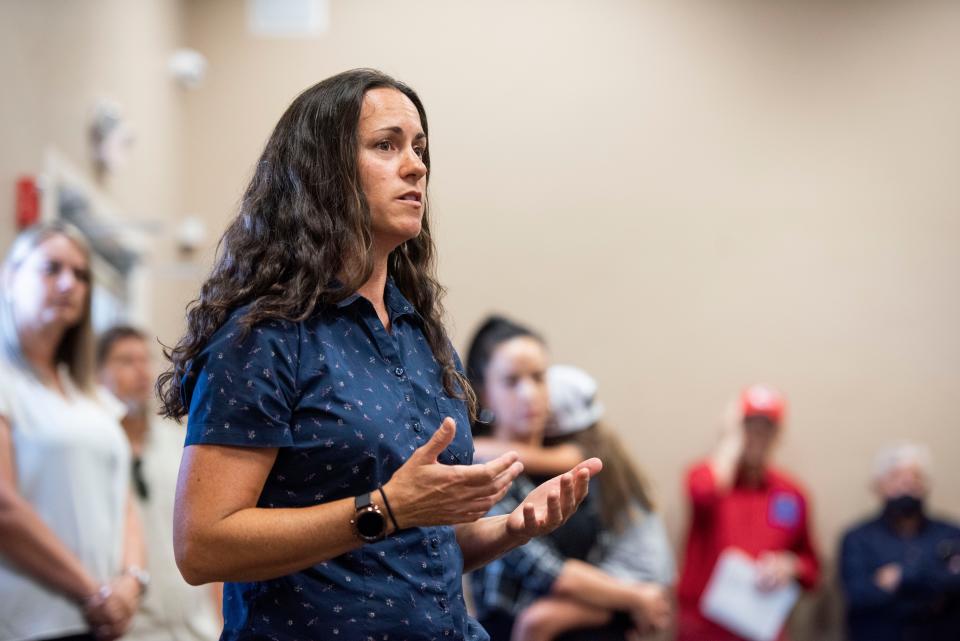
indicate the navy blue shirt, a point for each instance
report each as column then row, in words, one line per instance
column 346, row 403
column 925, row 606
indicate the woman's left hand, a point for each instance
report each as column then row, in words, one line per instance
column 552, row 503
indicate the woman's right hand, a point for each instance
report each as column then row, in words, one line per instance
column 109, row 611
column 424, row 492
column 731, row 427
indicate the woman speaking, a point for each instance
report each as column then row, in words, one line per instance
column 327, row 475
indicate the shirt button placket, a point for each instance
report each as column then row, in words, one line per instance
column 436, row 568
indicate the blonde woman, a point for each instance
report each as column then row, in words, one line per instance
column 70, row 554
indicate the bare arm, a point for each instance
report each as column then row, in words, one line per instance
column 726, row 456
column 547, row 618
column 28, row 543
column 212, row 515
column 589, row 585
column 125, row 589
column 537, row 460
column 134, row 549
column 584, row 596
column 216, row 595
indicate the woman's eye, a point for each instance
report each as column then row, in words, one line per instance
column 51, row 268
column 420, row 151
column 384, row 145
column 82, row 275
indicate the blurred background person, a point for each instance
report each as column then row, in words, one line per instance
column 738, row 500
column 172, row 609
column 632, row 543
column 900, row 569
column 507, row 366
column 71, row 556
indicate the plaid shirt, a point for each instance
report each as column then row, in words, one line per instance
column 521, row 576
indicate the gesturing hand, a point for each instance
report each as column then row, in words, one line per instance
column 424, row 492
column 553, row 502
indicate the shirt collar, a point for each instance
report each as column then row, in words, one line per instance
column 348, row 301
column 397, row 304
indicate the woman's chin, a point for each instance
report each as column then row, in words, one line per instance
column 398, row 235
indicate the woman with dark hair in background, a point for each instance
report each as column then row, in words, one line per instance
column 631, row 543
column 328, row 451
column 507, row 365
column 70, row 545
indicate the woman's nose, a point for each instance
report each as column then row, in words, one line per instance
column 66, row 280
column 527, row 390
column 413, row 164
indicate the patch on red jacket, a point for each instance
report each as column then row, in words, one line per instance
column 784, row 510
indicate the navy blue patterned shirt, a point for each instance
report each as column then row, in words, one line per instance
column 346, row 403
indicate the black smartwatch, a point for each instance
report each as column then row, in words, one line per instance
column 368, row 522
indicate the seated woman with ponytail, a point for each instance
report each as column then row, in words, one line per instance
column 550, row 585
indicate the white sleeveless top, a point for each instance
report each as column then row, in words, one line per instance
column 72, row 464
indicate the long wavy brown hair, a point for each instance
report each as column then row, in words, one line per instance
column 303, row 236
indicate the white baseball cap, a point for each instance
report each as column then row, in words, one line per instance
column 573, row 401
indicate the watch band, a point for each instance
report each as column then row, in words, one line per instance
column 363, row 501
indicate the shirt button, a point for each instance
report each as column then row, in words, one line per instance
column 435, row 543
column 417, row 428
column 398, row 371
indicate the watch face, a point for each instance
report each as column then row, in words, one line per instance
column 370, row 524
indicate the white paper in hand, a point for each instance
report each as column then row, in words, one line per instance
column 733, row 600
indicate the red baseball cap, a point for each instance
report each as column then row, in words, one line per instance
column 763, row 400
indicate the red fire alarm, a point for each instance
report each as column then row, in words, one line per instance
column 28, row 202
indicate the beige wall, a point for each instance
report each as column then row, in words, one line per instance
column 57, row 59
column 685, row 197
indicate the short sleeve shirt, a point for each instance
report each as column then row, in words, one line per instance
column 346, row 403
